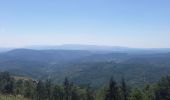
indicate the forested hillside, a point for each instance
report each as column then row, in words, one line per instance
column 87, row 67
column 20, row 89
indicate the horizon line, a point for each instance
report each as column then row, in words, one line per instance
column 53, row 45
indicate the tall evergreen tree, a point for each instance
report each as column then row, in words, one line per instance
column 29, row 89
column 9, row 87
column 67, row 89
column 124, row 89
column 112, row 92
column 58, row 93
column 74, row 94
column 19, row 87
column 136, row 95
column 48, row 88
column 40, row 91
column 148, row 92
column 163, row 89
column 89, row 94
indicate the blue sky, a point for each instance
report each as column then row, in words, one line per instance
column 130, row 23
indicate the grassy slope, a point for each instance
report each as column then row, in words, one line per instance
column 2, row 97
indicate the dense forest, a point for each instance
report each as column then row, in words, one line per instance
column 84, row 75
column 87, row 67
column 30, row 89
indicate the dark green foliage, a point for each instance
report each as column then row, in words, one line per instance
column 148, row 92
column 29, row 89
column 58, row 93
column 74, row 94
column 41, row 92
column 163, row 89
column 113, row 91
column 67, row 89
column 48, row 89
column 8, row 88
column 89, row 94
column 19, row 85
column 136, row 95
column 7, row 85
column 70, row 91
column 45, row 90
column 124, row 89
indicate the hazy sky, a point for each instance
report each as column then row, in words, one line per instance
column 132, row 23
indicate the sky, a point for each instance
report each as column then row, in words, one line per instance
column 130, row 23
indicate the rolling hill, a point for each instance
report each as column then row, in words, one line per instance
column 86, row 67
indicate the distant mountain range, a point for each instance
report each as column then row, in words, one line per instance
column 81, row 47
column 92, row 48
column 5, row 49
column 100, row 48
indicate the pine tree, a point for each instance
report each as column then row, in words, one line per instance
column 67, row 89
column 112, row 92
column 40, row 91
column 29, row 89
column 136, row 95
column 163, row 89
column 9, row 87
column 89, row 94
column 58, row 93
column 148, row 92
column 74, row 94
column 19, row 87
column 124, row 89
column 6, row 83
column 48, row 86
